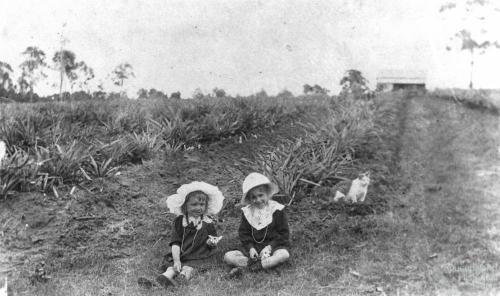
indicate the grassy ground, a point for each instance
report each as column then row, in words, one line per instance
column 444, row 236
column 430, row 224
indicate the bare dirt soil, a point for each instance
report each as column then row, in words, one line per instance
column 430, row 225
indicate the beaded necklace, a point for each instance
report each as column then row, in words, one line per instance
column 261, row 241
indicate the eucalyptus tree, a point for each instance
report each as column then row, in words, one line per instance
column 316, row 89
column 5, row 76
column 198, row 94
column 142, row 93
column 478, row 17
column 32, row 69
column 65, row 62
column 354, row 82
column 121, row 73
column 219, row 92
column 82, row 74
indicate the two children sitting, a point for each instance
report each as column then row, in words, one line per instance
column 263, row 230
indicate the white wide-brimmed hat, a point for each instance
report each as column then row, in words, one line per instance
column 214, row 203
column 253, row 180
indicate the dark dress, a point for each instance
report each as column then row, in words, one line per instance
column 193, row 243
column 276, row 234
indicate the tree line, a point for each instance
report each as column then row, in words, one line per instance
column 76, row 72
column 79, row 75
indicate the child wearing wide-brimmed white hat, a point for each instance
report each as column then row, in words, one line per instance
column 192, row 241
column 263, row 231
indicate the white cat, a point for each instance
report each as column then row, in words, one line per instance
column 359, row 188
column 3, row 151
column 338, row 195
column 4, row 289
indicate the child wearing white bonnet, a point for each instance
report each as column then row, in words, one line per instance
column 263, row 231
column 193, row 231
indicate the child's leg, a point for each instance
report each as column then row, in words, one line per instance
column 169, row 273
column 279, row 256
column 236, row 258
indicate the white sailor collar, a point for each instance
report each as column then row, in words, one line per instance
column 196, row 221
column 260, row 218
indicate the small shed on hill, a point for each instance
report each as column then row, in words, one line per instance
column 393, row 80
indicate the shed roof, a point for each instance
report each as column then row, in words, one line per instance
column 401, row 76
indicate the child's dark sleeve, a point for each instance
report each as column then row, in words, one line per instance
column 245, row 233
column 211, row 229
column 282, row 232
column 177, row 229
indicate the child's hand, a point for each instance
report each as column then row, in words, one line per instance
column 253, row 253
column 177, row 266
column 212, row 241
column 266, row 252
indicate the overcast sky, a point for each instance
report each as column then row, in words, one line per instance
column 244, row 46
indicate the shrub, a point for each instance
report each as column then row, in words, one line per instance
column 98, row 169
column 174, row 129
column 61, row 163
column 25, row 131
column 145, row 145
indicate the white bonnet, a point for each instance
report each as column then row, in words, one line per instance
column 214, row 203
column 253, row 180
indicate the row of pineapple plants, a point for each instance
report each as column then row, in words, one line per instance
column 187, row 120
column 56, row 144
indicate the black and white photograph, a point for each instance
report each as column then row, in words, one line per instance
column 249, row 147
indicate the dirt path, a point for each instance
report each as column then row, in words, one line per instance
column 450, row 162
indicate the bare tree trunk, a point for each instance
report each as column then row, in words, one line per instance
column 60, row 86
column 31, row 93
column 471, row 68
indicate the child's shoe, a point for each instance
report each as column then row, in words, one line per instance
column 145, row 283
column 165, row 282
column 235, row 273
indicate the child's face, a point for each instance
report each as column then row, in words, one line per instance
column 259, row 196
column 196, row 206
